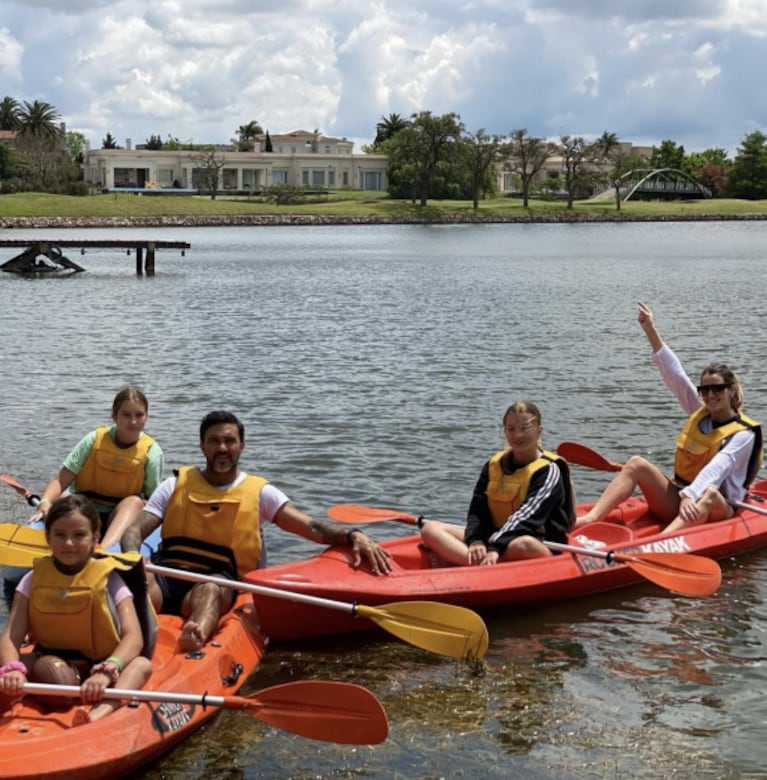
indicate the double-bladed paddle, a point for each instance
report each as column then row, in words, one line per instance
column 691, row 575
column 344, row 713
column 445, row 629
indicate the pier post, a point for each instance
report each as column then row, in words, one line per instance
column 139, row 260
column 149, row 267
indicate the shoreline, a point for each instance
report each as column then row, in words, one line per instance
column 249, row 220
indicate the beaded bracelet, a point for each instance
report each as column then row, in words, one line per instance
column 14, row 666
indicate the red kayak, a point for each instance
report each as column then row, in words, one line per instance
column 626, row 548
column 36, row 742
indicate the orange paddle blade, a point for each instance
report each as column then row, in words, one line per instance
column 692, row 575
column 331, row 711
column 581, row 455
column 356, row 513
column 32, row 499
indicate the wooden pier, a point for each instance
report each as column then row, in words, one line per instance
column 46, row 256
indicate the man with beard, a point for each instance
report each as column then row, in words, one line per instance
column 211, row 524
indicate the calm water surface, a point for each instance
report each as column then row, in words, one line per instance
column 372, row 365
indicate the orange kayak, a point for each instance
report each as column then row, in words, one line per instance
column 630, row 532
column 36, row 742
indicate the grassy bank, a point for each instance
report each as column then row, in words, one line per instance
column 351, row 204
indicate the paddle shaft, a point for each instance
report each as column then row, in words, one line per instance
column 609, row 556
column 744, row 505
column 74, row 691
column 247, row 587
column 441, row 628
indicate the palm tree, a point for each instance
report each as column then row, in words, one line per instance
column 38, row 120
column 9, row 113
column 41, row 143
column 388, row 127
column 249, row 131
column 246, row 135
column 607, row 143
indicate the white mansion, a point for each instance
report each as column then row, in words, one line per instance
column 300, row 158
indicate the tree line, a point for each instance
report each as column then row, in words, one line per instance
column 428, row 157
column 435, row 157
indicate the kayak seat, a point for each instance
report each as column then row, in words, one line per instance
column 603, row 533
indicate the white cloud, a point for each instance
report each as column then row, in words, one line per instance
column 688, row 69
column 11, row 52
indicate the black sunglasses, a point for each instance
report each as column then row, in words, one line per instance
column 704, row 390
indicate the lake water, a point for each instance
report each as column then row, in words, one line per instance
column 373, row 365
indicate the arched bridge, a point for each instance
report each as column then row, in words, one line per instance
column 661, row 181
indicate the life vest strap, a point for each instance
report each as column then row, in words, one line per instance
column 183, row 552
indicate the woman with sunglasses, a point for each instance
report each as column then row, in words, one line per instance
column 718, row 452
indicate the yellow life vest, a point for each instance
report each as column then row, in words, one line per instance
column 694, row 449
column 74, row 612
column 110, row 473
column 208, row 529
column 506, row 492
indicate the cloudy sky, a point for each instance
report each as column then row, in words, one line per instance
column 688, row 70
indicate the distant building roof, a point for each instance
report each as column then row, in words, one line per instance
column 304, row 135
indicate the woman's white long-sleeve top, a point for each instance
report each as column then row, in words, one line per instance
column 727, row 470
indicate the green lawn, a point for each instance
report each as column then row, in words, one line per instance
column 346, row 203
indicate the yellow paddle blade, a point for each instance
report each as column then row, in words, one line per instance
column 21, row 545
column 441, row 628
